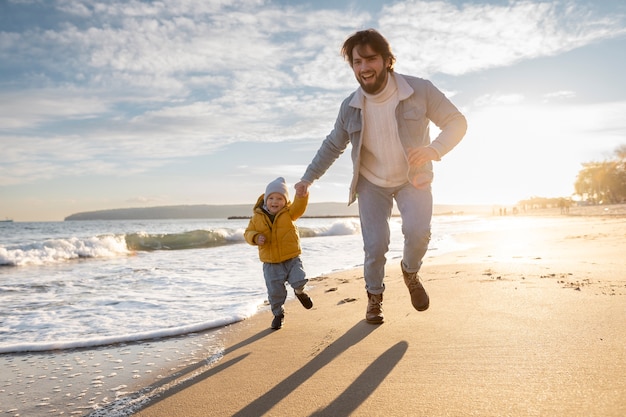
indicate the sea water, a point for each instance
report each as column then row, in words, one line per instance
column 92, row 283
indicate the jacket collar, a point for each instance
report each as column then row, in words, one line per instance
column 404, row 92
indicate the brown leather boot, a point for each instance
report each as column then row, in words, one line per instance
column 419, row 298
column 374, row 313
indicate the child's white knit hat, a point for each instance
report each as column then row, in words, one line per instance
column 277, row 186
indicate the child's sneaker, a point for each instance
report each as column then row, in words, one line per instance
column 305, row 300
column 277, row 323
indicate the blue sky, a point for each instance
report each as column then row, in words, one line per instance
column 111, row 104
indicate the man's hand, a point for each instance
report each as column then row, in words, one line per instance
column 302, row 188
column 260, row 239
column 420, row 156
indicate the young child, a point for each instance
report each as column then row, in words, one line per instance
column 273, row 231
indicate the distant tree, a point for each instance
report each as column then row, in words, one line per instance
column 603, row 182
column 590, row 180
column 536, row 202
column 620, row 175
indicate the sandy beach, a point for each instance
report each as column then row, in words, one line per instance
column 529, row 321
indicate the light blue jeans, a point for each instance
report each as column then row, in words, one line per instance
column 276, row 275
column 375, row 207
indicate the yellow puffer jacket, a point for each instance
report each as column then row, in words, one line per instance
column 282, row 242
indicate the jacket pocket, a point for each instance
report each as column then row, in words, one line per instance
column 415, row 113
column 413, row 127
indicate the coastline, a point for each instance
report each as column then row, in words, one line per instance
column 524, row 323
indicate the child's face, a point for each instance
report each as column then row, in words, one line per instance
column 275, row 202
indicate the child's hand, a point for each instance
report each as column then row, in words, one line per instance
column 302, row 189
column 260, row 239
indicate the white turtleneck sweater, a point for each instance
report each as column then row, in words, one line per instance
column 383, row 161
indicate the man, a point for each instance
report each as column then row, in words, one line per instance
column 386, row 121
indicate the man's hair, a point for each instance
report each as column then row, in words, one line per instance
column 370, row 37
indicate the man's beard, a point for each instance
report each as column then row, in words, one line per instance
column 378, row 84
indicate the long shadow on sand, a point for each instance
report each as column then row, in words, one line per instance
column 265, row 402
column 192, row 368
column 365, row 384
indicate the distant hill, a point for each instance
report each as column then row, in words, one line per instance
column 204, row 211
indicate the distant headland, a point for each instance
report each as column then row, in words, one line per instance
column 201, row 211
column 206, row 211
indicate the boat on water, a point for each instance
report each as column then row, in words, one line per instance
column 6, row 221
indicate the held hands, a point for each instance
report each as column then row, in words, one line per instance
column 302, row 188
column 260, row 239
column 420, row 156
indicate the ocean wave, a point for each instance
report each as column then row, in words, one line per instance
column 107, row 246
column 195, row 239
column 339, row 228
column 110, row 340
column 59, row 250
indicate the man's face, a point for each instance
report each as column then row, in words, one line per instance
column 370, row 69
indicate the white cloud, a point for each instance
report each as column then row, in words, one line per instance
column 494, row 99
column 437, row 36
column 29, row 108
column 559, row 95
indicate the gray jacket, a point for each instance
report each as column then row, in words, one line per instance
column 420, row 103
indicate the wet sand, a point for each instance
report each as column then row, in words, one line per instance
column 78, row 381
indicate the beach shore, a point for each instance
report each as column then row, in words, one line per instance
column 528, row 322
